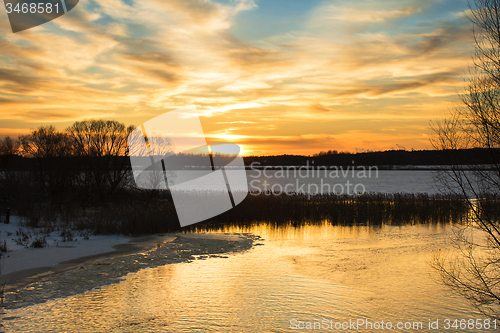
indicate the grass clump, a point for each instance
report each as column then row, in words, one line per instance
column 363, row 209
column 3, row 247
column 39, row 242
column 135, row 211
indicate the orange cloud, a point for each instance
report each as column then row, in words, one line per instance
column 353, row 75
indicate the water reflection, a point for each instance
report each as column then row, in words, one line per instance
column 305, row 273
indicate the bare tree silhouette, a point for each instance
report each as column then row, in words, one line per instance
column 475, row 271
column 47, row 146
column 103, row 146
column 9, row 146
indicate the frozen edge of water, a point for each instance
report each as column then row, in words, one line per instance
column 111, row 270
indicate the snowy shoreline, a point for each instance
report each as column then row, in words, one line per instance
column 23, row 264
column 37, row 275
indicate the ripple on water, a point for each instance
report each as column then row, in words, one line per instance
column 306, row 273
column 113, row 270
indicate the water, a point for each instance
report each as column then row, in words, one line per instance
column 346, row 182
column 304, row 274
column 387, row 181
column 322, row 181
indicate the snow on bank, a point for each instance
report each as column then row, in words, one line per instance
column 153, row 251
column 21, row 256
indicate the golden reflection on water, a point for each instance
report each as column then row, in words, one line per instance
column 304, row 273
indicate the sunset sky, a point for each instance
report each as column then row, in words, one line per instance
column 275, row 76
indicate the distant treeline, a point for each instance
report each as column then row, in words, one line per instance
column 383, row 160
column 104, row 144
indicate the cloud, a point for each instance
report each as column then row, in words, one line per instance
column 381, row 61
column 362, row 14
column 18, row 82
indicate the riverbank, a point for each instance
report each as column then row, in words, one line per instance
column 36, row 275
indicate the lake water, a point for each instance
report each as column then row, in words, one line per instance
column 343, row 182
column 298, row 274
